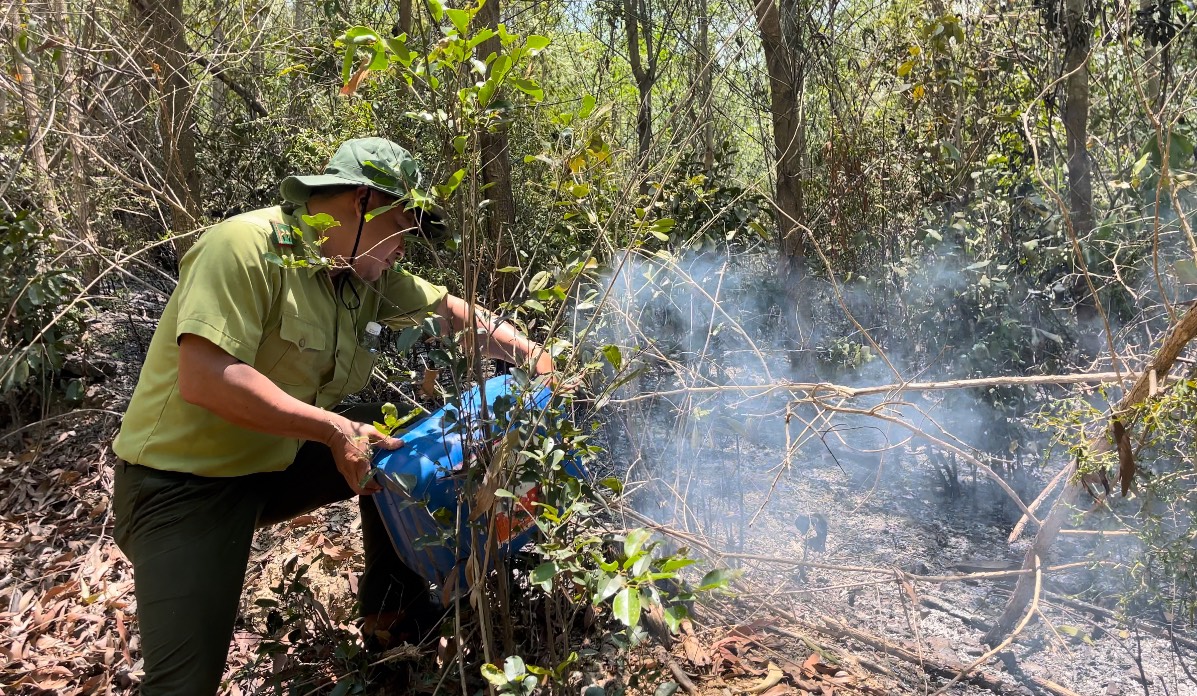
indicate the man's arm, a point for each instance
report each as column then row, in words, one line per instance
column 500, row 340
column 214, row 380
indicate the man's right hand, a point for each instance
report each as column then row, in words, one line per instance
column 352, row 446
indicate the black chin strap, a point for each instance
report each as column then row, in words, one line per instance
column 346, row 277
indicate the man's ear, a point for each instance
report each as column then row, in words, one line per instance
column 363, row 199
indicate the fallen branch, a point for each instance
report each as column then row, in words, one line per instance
column 828, row 389
column 1178, row 337
column 1157, row 631
column 842, row 631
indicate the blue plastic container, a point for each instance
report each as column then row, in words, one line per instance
column 426, row 464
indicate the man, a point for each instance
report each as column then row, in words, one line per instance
column 230, row 426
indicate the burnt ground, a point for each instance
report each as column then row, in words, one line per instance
column 887, row 510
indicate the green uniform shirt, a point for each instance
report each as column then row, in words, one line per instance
column 286, row 323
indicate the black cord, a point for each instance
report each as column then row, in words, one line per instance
column 346, row 279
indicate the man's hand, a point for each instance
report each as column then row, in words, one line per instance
column 352, row 446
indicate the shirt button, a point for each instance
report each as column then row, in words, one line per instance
column 303, row 343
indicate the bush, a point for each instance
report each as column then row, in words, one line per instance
column 40, row 324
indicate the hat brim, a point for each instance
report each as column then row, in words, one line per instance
column 298, row 189
column 430, row 220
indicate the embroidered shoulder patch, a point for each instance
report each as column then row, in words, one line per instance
column 283, row 234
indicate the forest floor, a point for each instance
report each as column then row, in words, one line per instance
column 68, row 613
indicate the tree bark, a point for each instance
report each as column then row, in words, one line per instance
column 162, row 22
column 31, row 104
column 496, row 173
column 1176, row 340
column 72, row 109
column 1078, row 33
column 704, row 87
column 783, row 60
column 785, row 63
column 636, row 17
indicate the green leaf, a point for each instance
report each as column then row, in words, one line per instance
column 717, row 579
column 459, row 144
column 494, row 675
column 379, row 61
column 437, row 9
column 342, row 687
column 321, row 222
column 543, row 575
column 627, row 607
column 398, row 46
column 635, row 541
column 608, row 588
column 540, row 281
column 1140, row 164
column 446, row 189
column 483, row 34
column 674, row 615
column 529, row 87
column 513, row 667
column 407, row 338
column 587, row 106
column 613, row 484
column 347, row 62
column 536, row 43
column 271, row 257
column 677, row 563
column 460, row 19
column 613, row 356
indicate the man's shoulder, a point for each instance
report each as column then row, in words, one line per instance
column 248, row 231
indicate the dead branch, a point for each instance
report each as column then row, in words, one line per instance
column 814, row 389
column 1170, row 348
column 842, row 631
column 1152, row 629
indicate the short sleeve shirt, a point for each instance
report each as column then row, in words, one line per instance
column 288, row 323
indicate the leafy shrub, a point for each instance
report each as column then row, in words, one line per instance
column 40, row 326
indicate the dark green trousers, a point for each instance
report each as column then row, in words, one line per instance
column 188, row 538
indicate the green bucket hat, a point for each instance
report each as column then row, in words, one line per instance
column 376, row 163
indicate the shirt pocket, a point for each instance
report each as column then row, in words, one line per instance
column 299, row 356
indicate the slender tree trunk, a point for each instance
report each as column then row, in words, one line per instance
column 496, row 173
column 71, row 107
column 1151, row 63
column 704, row 87
column 635, row 18
column 1078, row 32
column 405, row 16
column 780, row 40
column 162, row 20
column 34, row 124
column 218, row 90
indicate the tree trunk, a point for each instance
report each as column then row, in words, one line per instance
column 31, row 104
column 704, row 87
column 496, row 173
column 72, row 110
column 1176, row 340
column 405, row 16
column 162, row 22
column 1078, row 32
column 636, row 17
column 784, row 61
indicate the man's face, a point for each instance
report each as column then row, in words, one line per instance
column 381, row 244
